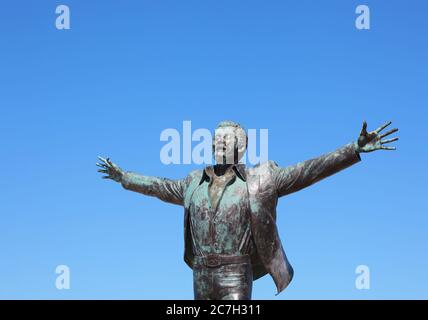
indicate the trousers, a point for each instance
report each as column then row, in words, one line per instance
column 229, row 281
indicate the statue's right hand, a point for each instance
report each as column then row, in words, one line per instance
column 111, row 170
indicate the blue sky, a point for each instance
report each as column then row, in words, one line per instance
column 129, row 69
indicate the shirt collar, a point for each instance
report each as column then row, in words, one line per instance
column 238, row 169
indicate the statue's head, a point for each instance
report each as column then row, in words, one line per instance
column 229, row 143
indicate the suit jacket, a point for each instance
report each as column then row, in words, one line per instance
column 266, row 183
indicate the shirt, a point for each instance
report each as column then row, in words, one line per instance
column 220, row 214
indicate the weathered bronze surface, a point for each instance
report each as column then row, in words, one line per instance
column 230, row 230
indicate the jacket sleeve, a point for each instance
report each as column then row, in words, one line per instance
column 304, row 174
column 171, row 191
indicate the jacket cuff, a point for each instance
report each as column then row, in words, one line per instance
column 352, row 152
column 125, row 180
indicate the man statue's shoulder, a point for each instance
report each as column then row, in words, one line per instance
column 263, row 169
column 195, row 174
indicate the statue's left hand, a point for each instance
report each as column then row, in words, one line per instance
column 371, row 141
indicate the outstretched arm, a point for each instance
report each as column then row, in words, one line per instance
column 171, row 191
column 304, row 174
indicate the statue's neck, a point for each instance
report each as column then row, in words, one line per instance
column 221, row 169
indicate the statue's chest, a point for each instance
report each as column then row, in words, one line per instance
column 220, row 201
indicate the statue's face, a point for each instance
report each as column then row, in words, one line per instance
column 229, row 145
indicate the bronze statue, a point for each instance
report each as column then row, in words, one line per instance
column 230, row 231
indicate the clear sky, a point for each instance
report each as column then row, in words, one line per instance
column 126, row 70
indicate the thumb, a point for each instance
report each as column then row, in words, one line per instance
column 364, row 129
